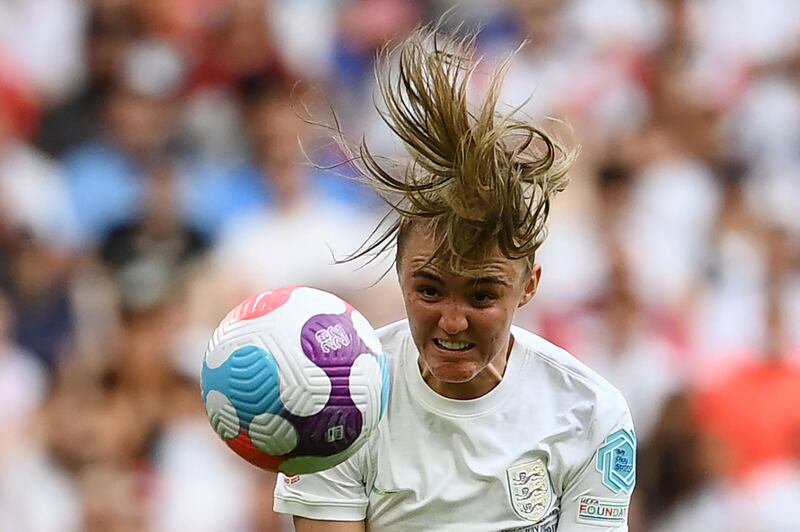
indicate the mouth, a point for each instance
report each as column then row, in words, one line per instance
column 452, row 347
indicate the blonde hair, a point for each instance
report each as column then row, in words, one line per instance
column 475, row 177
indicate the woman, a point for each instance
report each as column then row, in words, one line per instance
column 489, row 427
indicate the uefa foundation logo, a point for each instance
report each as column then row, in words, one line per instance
column 616, row 460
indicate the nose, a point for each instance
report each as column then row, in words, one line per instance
column 453, row 320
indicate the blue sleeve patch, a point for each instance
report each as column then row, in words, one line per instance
column 616, row 461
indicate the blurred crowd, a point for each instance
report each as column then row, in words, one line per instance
column 151, row 177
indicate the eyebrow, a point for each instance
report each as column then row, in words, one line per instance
column 490, row 279
column 484, row 279
column 424, row 274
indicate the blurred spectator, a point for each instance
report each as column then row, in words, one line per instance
column 670, row 218
column 37, row 233
column 18, row 101
column 92, row 419
column 111, row 500
column 23, row 384
column 182, row 23
column 769, row 498
column 105, row 174
column 753, row 32
column 46, row 37
column 543, row 75
column 364, row 27
column 148, row 256
column 754, row 411
column 200, row 484
column 33, row 198
column 302, row 224
column 680, row 486
column 28, row 477
column 304, row 32
column 559, row 73
column 39, row 292
column 111, row 28
column 622, row 25
column 728, row 307
column 237, row 45
column 240, row 46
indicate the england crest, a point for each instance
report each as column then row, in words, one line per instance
column 530, row 489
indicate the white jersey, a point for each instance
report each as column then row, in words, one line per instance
column 551, row 448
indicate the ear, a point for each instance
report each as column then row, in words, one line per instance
column 531, row 284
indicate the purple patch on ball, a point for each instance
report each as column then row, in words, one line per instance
column 332, row 343
column 331, row 431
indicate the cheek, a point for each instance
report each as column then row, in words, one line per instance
column 419, row 315
column 493, row 327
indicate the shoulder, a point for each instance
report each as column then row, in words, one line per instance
column 566, row 377
column 546, row 355
column 394, row 333
column 395, row 340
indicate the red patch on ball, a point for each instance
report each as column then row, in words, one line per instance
column 262, row 303
column 243, row 446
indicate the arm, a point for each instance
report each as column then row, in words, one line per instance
column 301, row 524
column 597, row 497
column 328, row 499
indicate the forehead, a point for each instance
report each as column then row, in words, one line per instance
column 417, row 254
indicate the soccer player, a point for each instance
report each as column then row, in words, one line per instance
column 489, row 427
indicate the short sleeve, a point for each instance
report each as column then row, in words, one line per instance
column 337, row 494
column 596, row 496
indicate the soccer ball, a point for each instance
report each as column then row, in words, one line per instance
column 294, row 380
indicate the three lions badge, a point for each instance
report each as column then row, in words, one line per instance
column 530, row 489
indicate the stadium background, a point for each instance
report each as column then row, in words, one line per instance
column 150, row 176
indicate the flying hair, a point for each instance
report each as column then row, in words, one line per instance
column 474, row 177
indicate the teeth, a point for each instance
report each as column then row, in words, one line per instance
column 455, row 346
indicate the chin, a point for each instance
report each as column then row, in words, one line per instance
column 454, row 373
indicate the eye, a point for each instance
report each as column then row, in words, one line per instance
column 483, row 298
column 428, row 292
